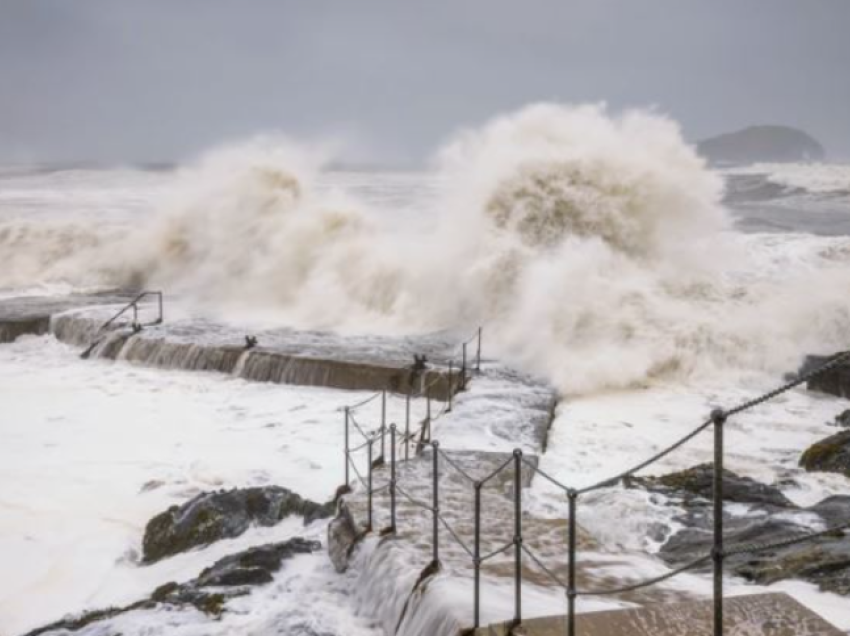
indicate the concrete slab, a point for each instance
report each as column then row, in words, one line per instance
column 751, row 615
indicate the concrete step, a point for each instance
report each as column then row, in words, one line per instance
column 751, row 615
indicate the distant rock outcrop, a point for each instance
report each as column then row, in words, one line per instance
column 762, row 144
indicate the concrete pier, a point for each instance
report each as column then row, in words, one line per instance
column 750, row 615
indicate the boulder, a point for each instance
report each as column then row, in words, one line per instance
column 843, row 419
column 823, row 561
column 255, row 565
column 830, row 455
column 232, row 575
column 771, row 517
column 210, row 517
column 343, row 536
column 695, row 484
column 227, row 578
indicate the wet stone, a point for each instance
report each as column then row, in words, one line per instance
column 210, row 517
column 830, row 455
column 769, row 518
column 227, row 578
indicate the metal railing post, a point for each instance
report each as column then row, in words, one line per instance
column 517, row 536
column 407, row 426
column 383, row 423
column 478, row 354
column 451, row 387
column 476, row 560
column 426, row 435
column 347, row 452
column 161, row 314
column 392, row 477
column 463, row 368
column 718, row 417
column 571, row 571
column 369, row 486
column 435, row 500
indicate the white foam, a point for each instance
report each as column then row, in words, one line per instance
column 92, row 450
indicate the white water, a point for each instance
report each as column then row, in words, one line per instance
column 594, row 249
column 815, row 178
column 91, row 450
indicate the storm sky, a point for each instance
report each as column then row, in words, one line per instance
column 148, row 80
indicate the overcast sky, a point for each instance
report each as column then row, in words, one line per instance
column 122, row 80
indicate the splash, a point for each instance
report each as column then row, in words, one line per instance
column 592, row 247
column 597, row 251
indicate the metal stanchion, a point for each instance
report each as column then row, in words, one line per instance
column 476, row 559
column 517, row 536
column 435, row 500
column 347, row 446
column 718, row 417
column 572, row 496
column 392, row 478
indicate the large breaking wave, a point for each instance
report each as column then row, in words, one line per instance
column 594, row 249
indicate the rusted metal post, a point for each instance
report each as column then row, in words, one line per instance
column 428, row 414
column 451, row 386
column 369, row 486
column 517, row 536
column 718, row 417
column 383, row 423
column 572, row 496
column 476, row 560
column 435, row 500
column 463, row 368
column 347, row 452
column 407, row 427
column 392, row 477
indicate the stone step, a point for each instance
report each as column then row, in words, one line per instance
column 772, row 614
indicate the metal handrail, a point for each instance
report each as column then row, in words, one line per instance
column 135, row 324
column 717, row 421
column 134, row 304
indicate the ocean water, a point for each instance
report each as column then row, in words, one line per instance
column 599, row 253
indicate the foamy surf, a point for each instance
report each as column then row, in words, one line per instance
column 594, row 247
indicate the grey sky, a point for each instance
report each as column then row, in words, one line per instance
column 160, row 79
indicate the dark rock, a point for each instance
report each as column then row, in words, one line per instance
column 697, row 483
column 230, row 577
column 758, row 144
column 835, row 381
column 824, row 561
column 830, row 455
column 843, row 419
column 85, row 619
column 255, row 565
column 343, row 536
column 210, row 517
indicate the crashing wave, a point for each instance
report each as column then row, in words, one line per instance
column 594, row 249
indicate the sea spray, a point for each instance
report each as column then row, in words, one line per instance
column 592, row 247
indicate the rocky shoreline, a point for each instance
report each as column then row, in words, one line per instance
column 205, row 519
column 756, row 512
column 763, row 515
